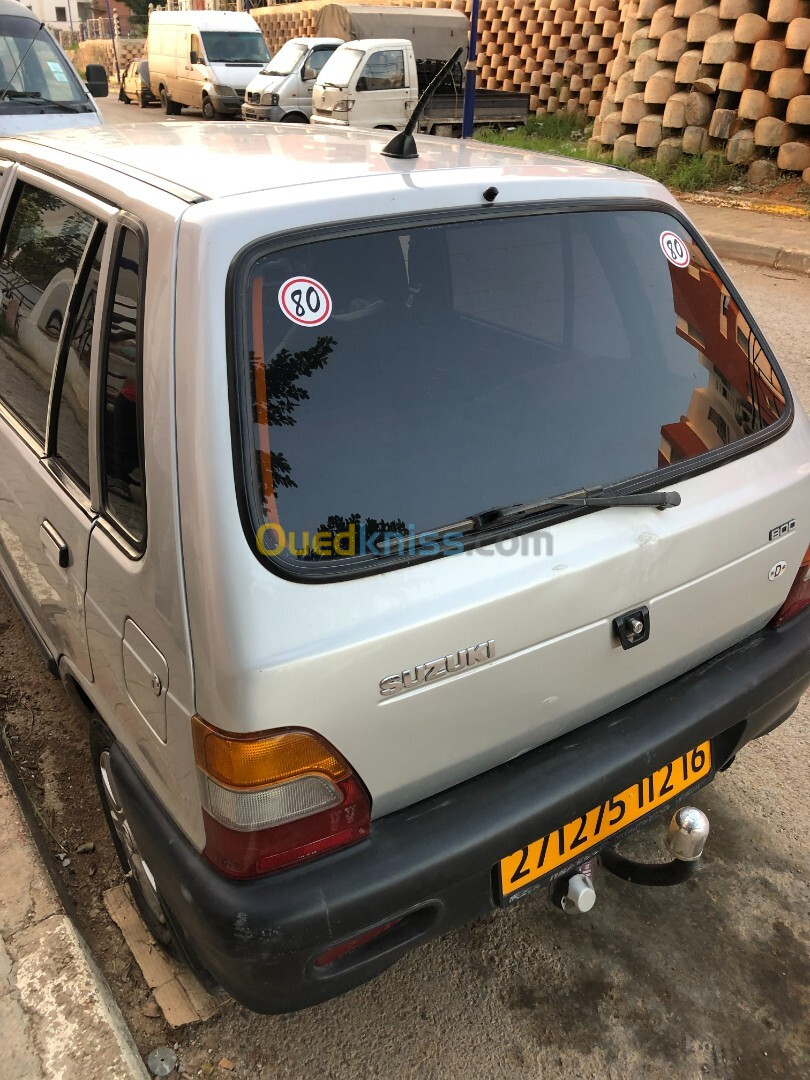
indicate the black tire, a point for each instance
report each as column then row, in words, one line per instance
column 142, row 101
column 122, row 97
column 208, row 110
column 294, row 118
column 147, row 897
column 171, row 108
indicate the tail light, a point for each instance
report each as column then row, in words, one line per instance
column 799, row 596
column 275, row 798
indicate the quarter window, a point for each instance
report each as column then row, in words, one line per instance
column 121, row 437
column 73, row 415
column 43, row 247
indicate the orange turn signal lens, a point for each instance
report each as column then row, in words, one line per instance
column 251, row 761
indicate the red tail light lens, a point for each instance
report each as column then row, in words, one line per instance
column 799, row 596
column 274, row 799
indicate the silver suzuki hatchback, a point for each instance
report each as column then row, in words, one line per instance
column 411, row 529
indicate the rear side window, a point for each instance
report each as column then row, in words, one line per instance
column 122, row 442
column 416, row 377
column 43, row 246
column 72, row 418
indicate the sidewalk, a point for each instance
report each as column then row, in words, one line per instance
column 57, row 1017
column 777, row 240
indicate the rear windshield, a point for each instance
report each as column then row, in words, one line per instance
column 398, row 381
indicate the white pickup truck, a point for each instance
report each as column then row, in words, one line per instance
column 376, row 82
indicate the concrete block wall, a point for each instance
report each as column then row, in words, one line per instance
column 662, row 79
column 100, row 51
column 731, row 77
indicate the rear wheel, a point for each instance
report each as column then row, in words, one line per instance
column 122, row 97
column 171, row 108
column 141, row 882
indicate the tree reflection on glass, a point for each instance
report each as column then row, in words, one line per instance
column 284, row 394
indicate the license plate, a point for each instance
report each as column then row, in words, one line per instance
column 583, row 834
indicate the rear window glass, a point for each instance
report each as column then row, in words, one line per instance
column 396, row 382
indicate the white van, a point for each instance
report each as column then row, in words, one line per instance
column 39, row 87
column 203, row 59
column 282, row 91
column 237, row 409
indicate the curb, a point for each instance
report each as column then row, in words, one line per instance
column 58, row 1014
column 726, row 201
column 749, row 251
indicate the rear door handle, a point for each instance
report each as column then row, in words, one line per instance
column 53, row 542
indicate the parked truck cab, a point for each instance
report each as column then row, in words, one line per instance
column 368, row 84
column 376, row 83
column 282, row 91
column 39, row 87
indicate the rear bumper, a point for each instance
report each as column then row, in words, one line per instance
column 431, row 865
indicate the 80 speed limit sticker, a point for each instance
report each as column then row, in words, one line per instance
column 305, row 301
column 675, row 249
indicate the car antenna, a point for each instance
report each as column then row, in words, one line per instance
column 403, row 144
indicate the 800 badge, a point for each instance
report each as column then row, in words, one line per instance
column 305, row 301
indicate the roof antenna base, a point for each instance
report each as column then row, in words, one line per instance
column 403, row 144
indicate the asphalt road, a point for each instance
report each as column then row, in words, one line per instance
column 705, row 979
column 116, row 112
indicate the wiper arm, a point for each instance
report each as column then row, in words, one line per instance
column 585, row 497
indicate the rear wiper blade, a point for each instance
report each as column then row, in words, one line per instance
column 585, row 497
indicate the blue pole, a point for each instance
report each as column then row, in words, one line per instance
column 468, row 119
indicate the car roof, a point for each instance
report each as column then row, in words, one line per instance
column 213, row 161
column 11, row 7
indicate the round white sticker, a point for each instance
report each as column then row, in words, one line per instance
column 675, row 249
column 305, row 301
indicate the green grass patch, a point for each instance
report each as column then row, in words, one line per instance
column 557, row 133
column 567, row 134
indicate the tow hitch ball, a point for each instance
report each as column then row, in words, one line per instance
column 686, row 837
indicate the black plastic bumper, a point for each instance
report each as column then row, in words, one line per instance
column 431, row 865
